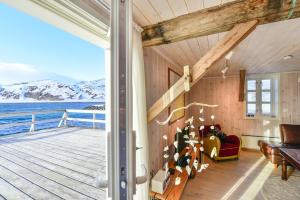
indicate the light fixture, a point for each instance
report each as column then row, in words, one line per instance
column 287, row 57
column 227, row 59
column 229, row 55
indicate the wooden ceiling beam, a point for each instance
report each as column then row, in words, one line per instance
column 218, row 19
column 231, row 39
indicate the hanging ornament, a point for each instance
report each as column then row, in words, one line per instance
column 186, row 137
column 178, row 168
column 193, row 134
column 175, row 144
column 195, row 149
column 178, row 130
column 188, row 161
column 201, row 149
column 212, row 127
column 165, row 137
column 192, row 126
column 195, row 164
column 201, row 110
column 202, row 167
column 166, row 156
column 201, row 142
column 188, row 170
column 166, row 148
column 177, row 180
column 212, row 137
column 176, row 156
column 186, row 128
column 201, row 119
column 201, row 128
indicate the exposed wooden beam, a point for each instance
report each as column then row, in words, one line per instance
column 242, row 85
column 232, row 38
column 218, row 19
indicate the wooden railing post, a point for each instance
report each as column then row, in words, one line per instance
column 63, row 120
column 94, row 118
column 32, row 127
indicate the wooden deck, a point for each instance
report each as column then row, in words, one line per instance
column 52, row 164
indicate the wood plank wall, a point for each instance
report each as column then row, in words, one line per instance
column 230, row 113
column 290, row 97
column 156, row 70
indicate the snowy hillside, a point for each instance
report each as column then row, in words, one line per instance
column 49, row 90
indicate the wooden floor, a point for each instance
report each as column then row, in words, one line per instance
column 235, row 179
column 52, row 164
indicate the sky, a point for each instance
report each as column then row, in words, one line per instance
column 30, row 47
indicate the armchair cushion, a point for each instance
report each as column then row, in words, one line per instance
column 232, row 139
column 228, row 149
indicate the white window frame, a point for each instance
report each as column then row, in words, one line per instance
column 274, row 101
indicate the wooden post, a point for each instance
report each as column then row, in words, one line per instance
column 232, row 38
column 187, row 78
column 242, row 85
column 94, row 118
column 284, row 169
column 32, row 127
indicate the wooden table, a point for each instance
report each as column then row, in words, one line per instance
column 174, row 192
column 289, row 156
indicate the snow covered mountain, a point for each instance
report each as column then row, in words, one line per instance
column 50, row 90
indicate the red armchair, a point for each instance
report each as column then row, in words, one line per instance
column 228, row 148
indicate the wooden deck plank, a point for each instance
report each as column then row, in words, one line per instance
column 9, row 192
column 57, row 184
column 41, row 157
column 84, row 163
column 62, row 162
column 26, row 186
column 39, row 164
column 55, row 150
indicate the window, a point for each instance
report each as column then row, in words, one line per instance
column 262, row 96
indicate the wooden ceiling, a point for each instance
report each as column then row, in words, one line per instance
column 261, row 52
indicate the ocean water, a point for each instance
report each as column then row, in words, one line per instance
column 30, row 107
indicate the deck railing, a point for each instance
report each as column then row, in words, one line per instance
column 62, row 120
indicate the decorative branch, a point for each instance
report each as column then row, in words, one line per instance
column 184, row 108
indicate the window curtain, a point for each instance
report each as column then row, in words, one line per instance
column 140, row 111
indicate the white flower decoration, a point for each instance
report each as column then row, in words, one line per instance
column 201, row 128
column 165, row 137
column 178, row 130
column 166, row 156
column 201, row 149
column 166, row 148
column 212, row 127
